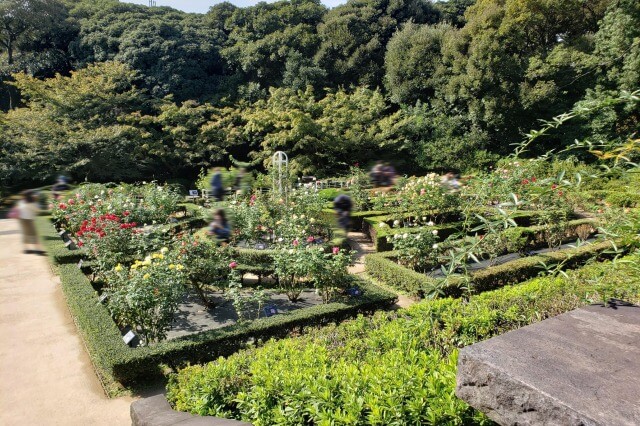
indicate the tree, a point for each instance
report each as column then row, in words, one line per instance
column 262, row 38
column 354, row 37
column 173, row 52
column 88, row 124
column 413, row 61
column 25, row 21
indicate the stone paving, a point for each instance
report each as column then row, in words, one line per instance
column 362, row 245
column 46, row 377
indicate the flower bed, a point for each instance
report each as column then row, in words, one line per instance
column 116, row 363
column 383, row 267
column 392, row 368
column 380, row 227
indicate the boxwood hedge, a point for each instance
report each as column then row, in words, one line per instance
column 383, row 267
column 116, row 363
column 392, row 368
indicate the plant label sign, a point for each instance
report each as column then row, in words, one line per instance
column 193, row 192
column 260, row 246
column 103, row 298
column 270, row 311
column 355, row 292
column 128, row 337
column 80, row 263
column 68, row 243
column 62, row 232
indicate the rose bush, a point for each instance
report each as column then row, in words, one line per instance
column 146, row 295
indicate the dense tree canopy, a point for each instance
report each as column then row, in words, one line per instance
column 107, row 90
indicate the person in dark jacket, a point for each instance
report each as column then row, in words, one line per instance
column 216, row 184
column 220, row 227
column 343, row 205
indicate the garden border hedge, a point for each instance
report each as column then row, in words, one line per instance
column 523, row 218
column 116, row 362
column 382, row 267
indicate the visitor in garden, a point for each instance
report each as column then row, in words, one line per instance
column 220, row 227
column 59, row 187
column 450, row 181
column 26, row 211
column 376, row 174
column 216, row 184
column 238, row 183
column 343, row 205
column 388, row 175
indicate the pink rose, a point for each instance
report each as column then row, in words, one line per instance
column 295, row 243
column 310, row 239
column 233, row 265
column 335, row 250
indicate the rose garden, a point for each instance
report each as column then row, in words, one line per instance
column 292, row 335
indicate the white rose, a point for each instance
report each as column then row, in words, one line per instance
column 405, row 236
column 430, row 223
column 312, row 220
column 424, row 218
column 434, row 232
column 382, row 225
column 435, row 246
column 396, row 222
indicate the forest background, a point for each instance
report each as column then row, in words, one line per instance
column 106, row 91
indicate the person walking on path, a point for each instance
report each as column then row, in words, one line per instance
column 216, row 184
column 26, row 211
column 343, row 205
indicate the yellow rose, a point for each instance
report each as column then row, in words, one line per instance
column 172, row 266
column 164, row 250
column 145, row 276
column 118, row 267
column 179, row 267
column 134, row 266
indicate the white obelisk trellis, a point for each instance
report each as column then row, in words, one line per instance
column 280, row 164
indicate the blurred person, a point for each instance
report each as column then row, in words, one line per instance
column 238, row 183
column 343, row 205
column 26, row 211
column 216, row 184
column 388, row 175
column 59, row 187
column 376, row 173
column 450, row 181
column 220, row 227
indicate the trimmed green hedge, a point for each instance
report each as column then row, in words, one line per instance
column 116, row 362
column 392, row 368
column 379, row 235
column 383, row 267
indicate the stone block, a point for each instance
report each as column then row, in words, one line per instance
column 579, row 368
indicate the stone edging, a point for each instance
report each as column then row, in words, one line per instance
column 156, row 411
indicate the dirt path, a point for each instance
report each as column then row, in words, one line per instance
column 46, row 377
column 361, row 244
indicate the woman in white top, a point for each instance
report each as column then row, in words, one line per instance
column 27, row 211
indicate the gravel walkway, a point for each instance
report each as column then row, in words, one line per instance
column 46, row 377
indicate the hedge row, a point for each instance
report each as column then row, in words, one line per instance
column 379, row 235
column 622, row 198
column 115, row 362
column 392, row 368
column 383, row 267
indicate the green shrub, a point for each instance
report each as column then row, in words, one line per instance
column 623, row 199
column 383, row 267
column 329, row 194
column 116, row 363
column 392, row 368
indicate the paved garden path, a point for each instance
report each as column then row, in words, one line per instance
column 362, row 245
column 46, row 377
